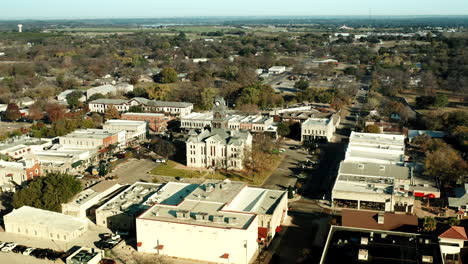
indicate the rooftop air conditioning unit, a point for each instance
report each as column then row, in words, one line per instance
column 427, row 259
column 364, row 241
column 380, row 218
column 363, row 254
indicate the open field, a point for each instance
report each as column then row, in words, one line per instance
column 455, row 101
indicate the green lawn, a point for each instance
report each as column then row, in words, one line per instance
column 170, row 170
column 256, row 178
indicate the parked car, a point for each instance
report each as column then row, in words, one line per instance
column 79, row 176
column 2, row 244
column 107, row 261
column 8, row 247
column 105, row 236
column 122, row 233
column 19, row 249
column 28, row 251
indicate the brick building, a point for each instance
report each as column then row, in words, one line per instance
column 156, row 122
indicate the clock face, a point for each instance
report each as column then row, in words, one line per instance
column 217, row 103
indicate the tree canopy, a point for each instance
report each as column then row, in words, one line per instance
column 48, row 192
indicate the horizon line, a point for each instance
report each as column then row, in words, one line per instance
column 232, row 16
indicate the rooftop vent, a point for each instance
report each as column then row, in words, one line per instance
column 380, row 218
column 182, row 214
column 201, row 216
column 364, row 240
column 427, row 259
column 382, row 168
column 218, row 218
column 361, row 166
column 232, row 220
column 209, row 188
column 363, row 254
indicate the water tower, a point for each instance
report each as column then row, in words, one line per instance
column 20, row 28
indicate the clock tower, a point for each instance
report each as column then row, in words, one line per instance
column 219, row 114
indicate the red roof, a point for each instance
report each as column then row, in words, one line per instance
column 160, row 247
column 455, row 232
column 262, row 233
column 369, row 220
column 225, row 256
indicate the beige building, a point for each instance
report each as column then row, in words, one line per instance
column 218, row 222
column 86, row 199
column 92, row 138
column 38, row 223
column 134, row 130
column 218, row 147
column 178, row 109
column 320, row 128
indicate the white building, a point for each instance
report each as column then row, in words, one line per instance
column 218, row 147
column 377, row 148
column 178, row 109
column 216, row 222
column 88, row 198
column 251, row 123
column 372, row 186
column 451, row 242
column 92, row 138
column 64, row 160
column 133, row 129
column 33, row 222
column 62, row 97
column 319, row 128
column 15, row 173
column 277, row 70
column 103, row 89
column 120, row 212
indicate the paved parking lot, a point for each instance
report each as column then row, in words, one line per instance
column 286, row 172
column 134, row 170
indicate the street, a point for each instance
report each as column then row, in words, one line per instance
column 306, row 233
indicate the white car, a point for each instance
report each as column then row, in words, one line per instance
column 115, row 237
column 2, row 244
column 28, row 251
column 9, row 247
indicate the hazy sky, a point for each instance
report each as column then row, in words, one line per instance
column 170, row 8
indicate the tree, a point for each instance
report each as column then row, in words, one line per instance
column 372, row 129
column 429, row 224
column 48, row 192
column 12, row 112
column 36, row 111
column 55, row 112
column 446, row 164
column 111, row 113
column 73, row 98
column 302, row 84
column 95, row 97
column 136, row 109
column 283, row 129
column 290, row 192
column 164, row 148
column 453, row 221
column 167, row 75
column 158, row 91
column 441, row 100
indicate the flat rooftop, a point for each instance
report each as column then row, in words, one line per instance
column 222, row 204
column 199, row 213
column 316, row 121
column 143, row 114
column 368, row 169
column 131, row 200
column 347, row 245
column 89, row 133
column 121, row 122
column 32, row 216
column 199, row 116
column 374, row 138
column 256, row 200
